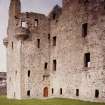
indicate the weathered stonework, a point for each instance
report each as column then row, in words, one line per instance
column 3, row 84
column 65, row 24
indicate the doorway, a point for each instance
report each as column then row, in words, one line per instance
column 45, row 92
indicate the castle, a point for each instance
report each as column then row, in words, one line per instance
column 60, row 55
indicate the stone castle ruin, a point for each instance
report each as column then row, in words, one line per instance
column 60, row 55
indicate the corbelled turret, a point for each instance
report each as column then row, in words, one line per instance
column 14, row 19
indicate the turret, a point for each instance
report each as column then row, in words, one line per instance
column 15, row 8
column 55, row 13
column 14, row 19
column 14, row 14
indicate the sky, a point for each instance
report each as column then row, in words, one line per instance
column 40, row 6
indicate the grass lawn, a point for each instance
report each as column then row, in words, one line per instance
column 5, row 101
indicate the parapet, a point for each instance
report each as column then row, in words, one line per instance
column 31, row 21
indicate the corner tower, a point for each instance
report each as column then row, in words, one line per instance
column 15, row 8
column 27, row 53
column 13, row 52
column 14, row 13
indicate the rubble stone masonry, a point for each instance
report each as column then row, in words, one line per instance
column 60, row 55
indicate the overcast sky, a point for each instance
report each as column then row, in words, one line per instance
column 41, row 6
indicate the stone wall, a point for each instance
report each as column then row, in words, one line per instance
column 65, row 24
column 3, row 83
column 34, row 58
column 71, row 47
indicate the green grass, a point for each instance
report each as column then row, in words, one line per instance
column 5, row 101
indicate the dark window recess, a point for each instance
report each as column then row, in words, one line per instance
column 38, row 43
column 86, row 2
column 84, row 29
column 77, row 92
column 12, row 45
column 54, row 16
column 48, row 36
column 36, row 23
column 104, row 4
column 28, row 93
column 96, row 93
column 27, row 15
column 16, row 17
column 54, row 41
column 60, row 91
column 45, row 77
column 29, row 73
column 16, row 72
column 52, row 91
column 54, row 65
column 87, row 60
column 45, row 66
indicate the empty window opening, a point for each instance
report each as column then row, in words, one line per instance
column 54, row 16
column 36, row 23
column 16, row 17
column 54, row 65
column 86, row 2
column 16, row 72
column 45, row 66
column 77, row 92
column 96, row 93
column 84, row 29
column 12, row 45
column 60, row 91
column 48, row 36
column 45, row 77
column 104, row 4
column 54, row 41
column 29, row 73
column 52, row 91
column 38, row 43
column 24, row 24
column 27, row 14
column 28, row 93
column 87, row 60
